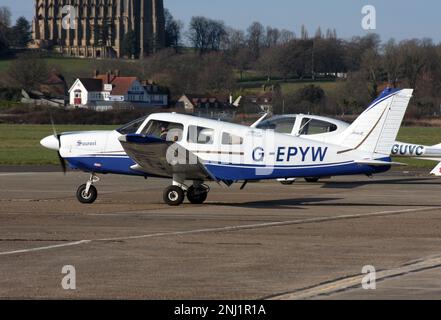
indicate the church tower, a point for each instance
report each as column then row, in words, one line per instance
column 98, row 27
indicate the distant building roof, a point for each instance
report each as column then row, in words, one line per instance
column 121, row 85
column 94, row 85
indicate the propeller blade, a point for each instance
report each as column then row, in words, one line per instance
column 54, row 130
column 62, row 163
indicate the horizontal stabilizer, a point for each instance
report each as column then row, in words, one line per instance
column 379, row 163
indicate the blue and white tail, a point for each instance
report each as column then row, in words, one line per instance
column 376, row 129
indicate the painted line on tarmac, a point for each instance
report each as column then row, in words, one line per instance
column 70, row 244
column 355, row 282
column 228, row 229
column 272, row 224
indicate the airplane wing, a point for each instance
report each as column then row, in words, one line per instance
column 379, row 163
column 163, row 158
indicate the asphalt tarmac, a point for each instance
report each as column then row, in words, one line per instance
column 305, row 241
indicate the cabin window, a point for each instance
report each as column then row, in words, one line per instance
column 200, row 135
column 168, row 131
column 230, row 139
column 312, row 126
column 280, row 125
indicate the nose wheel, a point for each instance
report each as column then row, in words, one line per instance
column 87, row 193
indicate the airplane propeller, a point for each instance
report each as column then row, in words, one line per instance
column 58, row 137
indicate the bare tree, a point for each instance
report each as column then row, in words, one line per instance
column 272, row 37
column 304, row 35
column 286, row 36
column 206, row 34
column 29, row 71
column 173, row 31
column 255, row 36
column 5, row 23
column 235, row 40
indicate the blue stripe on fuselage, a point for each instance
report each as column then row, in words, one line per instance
column 104, row 165
column 234, row 172
column 241, row 172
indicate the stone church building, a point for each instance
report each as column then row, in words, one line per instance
column 99, row 26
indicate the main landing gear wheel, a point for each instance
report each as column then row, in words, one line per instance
column 87, row 197
column 312, row 180
column 196, row 196
column 174, row 196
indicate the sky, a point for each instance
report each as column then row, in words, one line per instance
column 398, row 19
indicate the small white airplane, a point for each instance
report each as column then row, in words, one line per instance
column 199, row 150
column 195, row 150
column 326, row 129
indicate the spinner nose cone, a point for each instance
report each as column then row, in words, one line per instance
column 51, row 143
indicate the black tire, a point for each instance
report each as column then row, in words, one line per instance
column 312, row 180
column 198, row 198
column 87, row 198
column 174, row 196
column 287, row 183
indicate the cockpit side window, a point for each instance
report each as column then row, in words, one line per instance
column 169, row 131
column 132, row 127
column 231, row 139
column 200, row 135
column 280, row 125
column 312, row 126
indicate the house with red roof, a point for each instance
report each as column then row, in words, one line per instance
column 108, row 91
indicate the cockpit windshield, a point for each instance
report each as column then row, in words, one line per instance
column 164, row 130
column 132, row 127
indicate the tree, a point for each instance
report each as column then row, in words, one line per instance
column 412, row 57
column 173, row 31
column 304, row 35
column 206, row 34
column 5, row 23
column 272, row 37
column 29, row 71
column 318, row 33
column 21, row 33
column 130, row 45
column 391, row 63
column 286, row 36
column 235, row 40
column 242, row 60
column 267, row 62
column 255, row 37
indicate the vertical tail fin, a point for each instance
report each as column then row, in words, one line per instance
column 376, row 129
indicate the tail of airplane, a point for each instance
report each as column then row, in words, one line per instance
column 236, row 103
column 436, row 171
column 376, row 129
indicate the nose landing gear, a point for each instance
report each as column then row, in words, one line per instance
column 87, row 193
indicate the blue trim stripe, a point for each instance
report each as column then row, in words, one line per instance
column 387, row 93
column 277, row 166
column 235, row 173
column 104, row 165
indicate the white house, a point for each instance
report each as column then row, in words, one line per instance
column 104, row 91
